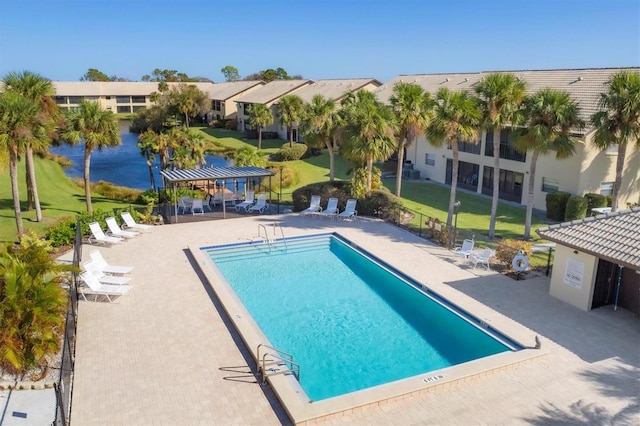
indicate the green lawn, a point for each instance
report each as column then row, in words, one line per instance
column 59, row 197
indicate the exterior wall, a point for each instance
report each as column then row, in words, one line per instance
column 582, row 267
column 108, row 102
column 579, row 174
column 243, row 119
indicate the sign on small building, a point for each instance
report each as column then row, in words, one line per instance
column 574, row 273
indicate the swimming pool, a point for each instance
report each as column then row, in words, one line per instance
column 350, row 320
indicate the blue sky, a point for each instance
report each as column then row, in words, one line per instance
column 317, row 39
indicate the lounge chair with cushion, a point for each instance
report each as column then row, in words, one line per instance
column 350, row 211
column 102, row 277
column 98, row 236
column 95, row 288
column 331, row 210
column 466, row 249
column 248, row 202
column 129, row 222
column 101, row 263
column 314, row 206
column 482, row 257
column 261, row 204
column 115, row 231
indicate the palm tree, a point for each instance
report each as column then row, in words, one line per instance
column 552, row 116
column 248, row 156
column 146, row 143
column 368, row 135
column 98, row 128
column 456, row 116
column 40, row 90
column 412, row 107
column 320, row 124
column 291, row 112
column 18, row 119
column 259, row 117
column 618, row 122
column 501, row 97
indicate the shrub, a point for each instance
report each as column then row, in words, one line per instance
column 148, row 197
column 609, row 200
column 382, row 204
column 338, row 189
column 291, row 153
column 556, row 205
column 576, row 208
column 594, row 201
column 507, row 249
column 359, row 181
column 63, row 233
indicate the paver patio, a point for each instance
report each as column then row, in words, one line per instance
column 167, row 354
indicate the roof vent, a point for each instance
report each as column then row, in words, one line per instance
column 579, row 78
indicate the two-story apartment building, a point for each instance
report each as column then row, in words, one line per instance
column 223, row 97
column 589, row 170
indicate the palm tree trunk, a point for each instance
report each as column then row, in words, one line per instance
column 369, row 172
column 496, row 182
column 332, row 155
column 87, row 180
column 13, row 173
column 29, row 205
column 259, row 138
column 186, row 119
column 152, row 178
column 290, row 137
column 399, row 168
column 622, row 153
column 33, row 186
column 532, row 179
column 454, row 182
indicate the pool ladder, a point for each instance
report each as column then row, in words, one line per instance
column 266, row 238
column 272, row 361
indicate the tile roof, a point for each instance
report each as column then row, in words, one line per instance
column 224, row 91
column 271, row 91
column 584, row 85
column 334, row 89
column 114, row 88
column 614, row 237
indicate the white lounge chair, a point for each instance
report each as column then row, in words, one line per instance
column 331, row 210
column 466, row 249
column 101, row 263
column 103, row 278
column 196, row 206
column 248, row 202
column 110, row 292
column 129, row 222
column 350, row 211
column 482, row 257
column 98, row 236
column 261, row 204
column 115, row 231
column 314, row 206
column 184, row 203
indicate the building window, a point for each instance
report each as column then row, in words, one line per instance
column 507, row 150
column 430, row 159
column 91, row 98
column 606, row 188
column 137, row 108
column 74, row 99
column 123, row 99
column 61, row 100
column 138, row 99
column 124, row 109
column 550, row 185
column 215, row 105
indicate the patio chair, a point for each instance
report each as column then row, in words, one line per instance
column 464, row 251
column 482, row 257
column 350, row 211
column 197, row 206
column 184, row 203
column 115, row 231
column 98, row 236
column 129, row 222
column 314, row 206
column 261, row 204
column 101, row 263
column 331, row 210
column 248, row 202
column 110, row 292
column 92, row 269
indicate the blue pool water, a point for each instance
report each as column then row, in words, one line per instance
column 348, row 321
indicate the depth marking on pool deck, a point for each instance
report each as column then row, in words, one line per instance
column 433, row 378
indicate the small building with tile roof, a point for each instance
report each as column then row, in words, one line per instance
column 597, row 260
column 589, row 170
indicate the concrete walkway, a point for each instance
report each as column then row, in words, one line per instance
column 166, row 354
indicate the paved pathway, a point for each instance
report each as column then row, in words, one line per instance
column 166, row 354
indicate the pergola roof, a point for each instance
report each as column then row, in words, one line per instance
column 215, row 173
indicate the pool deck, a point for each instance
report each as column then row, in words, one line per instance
column 168, row 354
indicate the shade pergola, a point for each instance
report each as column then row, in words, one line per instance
column 174, row 178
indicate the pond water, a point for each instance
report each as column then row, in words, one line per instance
column 122, row 165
